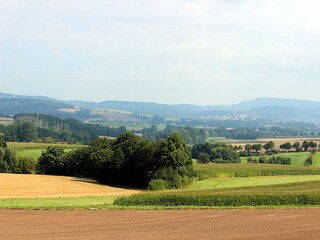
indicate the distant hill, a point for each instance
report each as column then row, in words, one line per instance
column 9, row 96
column 20, row 105
column 263, row 107
column 143, row 107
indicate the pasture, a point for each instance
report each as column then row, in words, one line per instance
column 297, row 158
column 212, row 170
column 34, row 150
column 18, row 146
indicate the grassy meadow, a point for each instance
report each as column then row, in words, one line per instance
column 57, row 203
column 33, row 150
column 297, row 158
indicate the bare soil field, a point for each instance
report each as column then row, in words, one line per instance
column 155, row 225
column 42, row 186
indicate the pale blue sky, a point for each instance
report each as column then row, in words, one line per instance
column 167, row 51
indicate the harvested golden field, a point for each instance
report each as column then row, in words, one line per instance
column 43, row 186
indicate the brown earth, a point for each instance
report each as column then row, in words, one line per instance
column 151, row 225
column 42, row 186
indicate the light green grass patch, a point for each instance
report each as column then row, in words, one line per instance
column 34, row 154
column 297, row 158
column 17, row 146
column 216, row 183
column 56, row 203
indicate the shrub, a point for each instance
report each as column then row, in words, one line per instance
column 203, row 158
column 158, row 184
column 309, row 161
column 262, row 160
column 25, row 166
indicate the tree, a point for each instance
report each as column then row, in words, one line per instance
column 286, row 146
column 26, row 132
column 172, row 162
column 248, row 147
column 297, row 146
column 313, row 145
column 225, row 154
column 51, row 161
column 256, row 147
column 203, row 158
column 309, row 161
column 305, row 145
column 269, row 146
column 3, row 144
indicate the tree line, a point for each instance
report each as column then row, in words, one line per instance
column 127, row 160
column 38, row 128
column 10, row 164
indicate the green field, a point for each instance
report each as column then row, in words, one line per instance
column 212, row 170
column 34, row 154
column 34, row 150
column 57, row 203
column 18, row 146
column 297, row 158
column 215, row 183
column 239, row 185
column 291, row 194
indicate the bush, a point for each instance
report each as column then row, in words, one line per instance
column 262, row 160
column 25, row 166
column 158, row 184
column 309, row 161
column 203, row 158
column 249, row 160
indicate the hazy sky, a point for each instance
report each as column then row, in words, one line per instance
column 167, row 51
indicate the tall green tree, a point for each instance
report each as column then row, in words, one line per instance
column 269, row 146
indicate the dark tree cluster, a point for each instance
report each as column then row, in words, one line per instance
column 191, row 135
column 214, row 152
column 127, row 160
column 272, row 160
column 37, row 127
column 10, row 164
column 261, row 132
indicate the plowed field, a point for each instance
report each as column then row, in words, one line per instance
column 155, row 225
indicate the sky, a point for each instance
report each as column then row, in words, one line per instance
column 203, row 52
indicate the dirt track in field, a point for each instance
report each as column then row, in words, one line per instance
column 155, row 225
column 42, row 186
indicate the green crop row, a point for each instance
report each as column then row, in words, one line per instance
column 306, row 193
column 218, row 200
column 250, row 170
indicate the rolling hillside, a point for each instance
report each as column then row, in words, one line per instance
column 262, row 107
